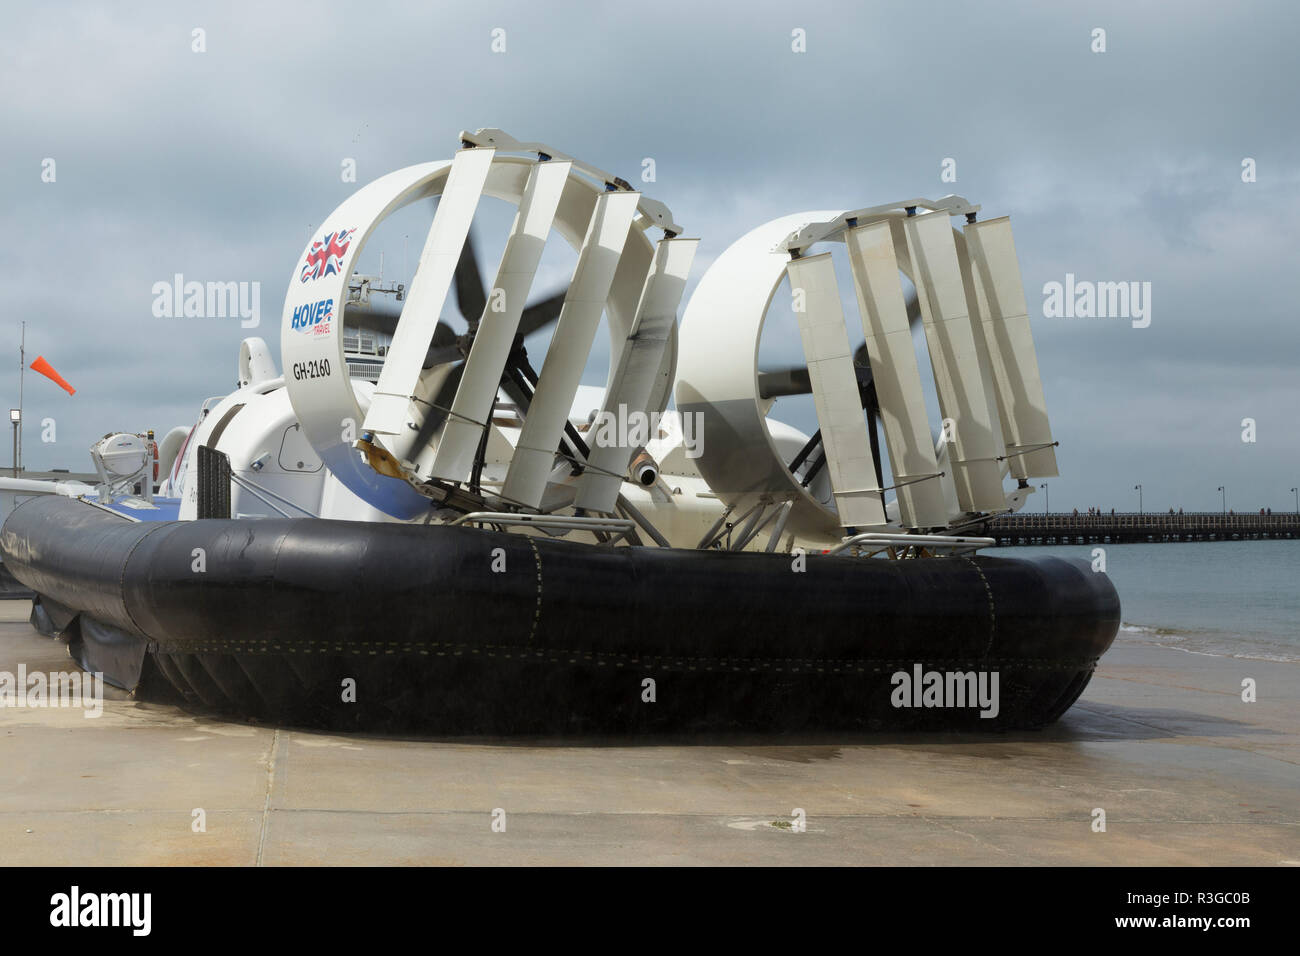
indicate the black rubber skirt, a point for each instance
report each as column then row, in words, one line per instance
column 386, row 627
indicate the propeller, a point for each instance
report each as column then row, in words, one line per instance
column 471, row 299
column 381, row 318
column 448, row 346
column 541, row 314
column 794, row 379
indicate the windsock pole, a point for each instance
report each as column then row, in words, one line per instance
column 22, row 369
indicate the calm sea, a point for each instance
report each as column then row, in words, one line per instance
column 1229, row 598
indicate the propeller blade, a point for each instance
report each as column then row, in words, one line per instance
column 442, row 354
column 782, row 382
column 860, row 356
column 382, row 320
column 516, row 392
column 871, row 403
column 470, row 295
column 541, row 314
column 913, row 308
column 795, row 380
column 373, row 317
column 442, row 402
column 443, row 334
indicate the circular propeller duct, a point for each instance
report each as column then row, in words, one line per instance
column 741, row 460
column 333, row 408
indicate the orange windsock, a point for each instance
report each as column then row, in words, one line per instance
column 46, row 369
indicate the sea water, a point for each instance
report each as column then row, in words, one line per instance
column 1225, row 598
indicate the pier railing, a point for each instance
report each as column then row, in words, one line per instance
column 1130, row 526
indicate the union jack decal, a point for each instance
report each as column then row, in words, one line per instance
column 326, row 256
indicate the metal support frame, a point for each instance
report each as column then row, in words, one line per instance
column 655, row 212
column 933, row 542
column 759, row 519
column 833, row 229
column 779, row 530
column 633, row 512
column 1028, row 449
column 618, row 527
column 715, row 530
column 266, row 494
column 809, row 446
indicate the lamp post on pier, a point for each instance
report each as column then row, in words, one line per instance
column 1047, row 499
column 1224, row 493
column 1296, row 492
column 1138, row 489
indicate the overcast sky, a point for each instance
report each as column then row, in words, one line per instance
column 1117, row 166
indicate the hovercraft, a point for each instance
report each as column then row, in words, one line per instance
column 413, row 529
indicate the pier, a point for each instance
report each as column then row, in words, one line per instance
column 1058, row 529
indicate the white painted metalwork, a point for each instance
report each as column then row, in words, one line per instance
column 845, row 442
column 722, row 326
column 953, row 356
column 497, row 326
column 388, row 414
column 973, row 315
column 834, row 228
column 332, row 406
column 640, row 361
column 897, row 377
column 1005, row 325
column 575, row 331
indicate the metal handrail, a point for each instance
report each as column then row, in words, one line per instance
column 619, row 527
column 954, row 543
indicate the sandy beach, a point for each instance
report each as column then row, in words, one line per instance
column 1186, row 772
